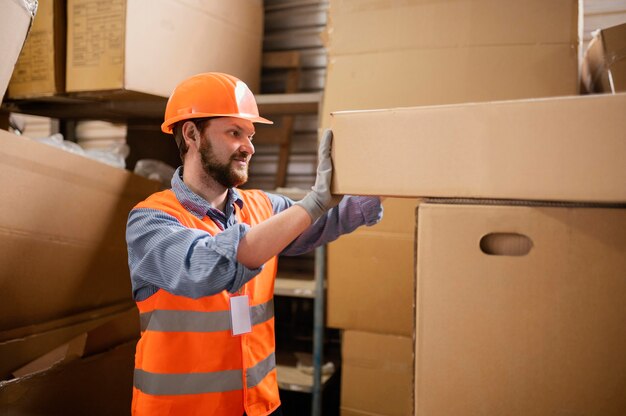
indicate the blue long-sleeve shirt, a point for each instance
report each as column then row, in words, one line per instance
column 163, row 253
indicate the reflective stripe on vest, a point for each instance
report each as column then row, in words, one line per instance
column 192, row 321
column 198, row 383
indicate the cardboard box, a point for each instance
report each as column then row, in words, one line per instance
column 62, row 232
column 604, row 64
column 377, row 374
column 553, row 149
column 15, row 21
column 446, row 76
column 371, row 274
column 395, row 54
column 107, row 327
column 141, row 46
column 356, row 27
column 97, row 385
column 530, row 325
column 40, row 69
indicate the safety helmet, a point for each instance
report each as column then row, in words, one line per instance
column 211, row 94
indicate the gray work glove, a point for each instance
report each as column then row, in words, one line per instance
column 320, row 200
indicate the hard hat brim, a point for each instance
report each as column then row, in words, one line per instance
column 166, row 127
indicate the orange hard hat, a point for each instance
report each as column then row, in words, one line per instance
column 211, row 94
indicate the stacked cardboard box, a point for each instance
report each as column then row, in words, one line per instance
column 518, row 296
column 414, row 53
column 563, row 149
column 99, row 385
column 126, row 48
column 376, row 366
column 40, row 69
column 63, row 268
column 519, row 310
column 390, row 54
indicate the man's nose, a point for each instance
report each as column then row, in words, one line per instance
column 247, row 146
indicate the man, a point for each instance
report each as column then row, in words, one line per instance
column 202, row 258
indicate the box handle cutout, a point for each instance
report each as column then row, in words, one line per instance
column 505, row 244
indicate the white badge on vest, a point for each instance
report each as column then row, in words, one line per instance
column 240, row 321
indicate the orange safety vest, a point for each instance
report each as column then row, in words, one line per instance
column 187, row 360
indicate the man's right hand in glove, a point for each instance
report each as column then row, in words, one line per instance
column 320, row 200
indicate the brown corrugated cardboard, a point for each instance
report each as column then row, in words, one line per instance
column 371, row 274
column 377, row 256
column 149, row 47
column 533, row 334
column 71, row 350
column 123, row 328
column 352, row 412
column 40, row 69
column 97, row 385
column 62, row 232
column 377, row 374
column 34, row 341
column 564, row 148
column 109, row 331
column 15, row 22
column 397, row 218
column 448, row 75
column 604, row 64
column 371, row 287
column 391, row 54
column 357, row 27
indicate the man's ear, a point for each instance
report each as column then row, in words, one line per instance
column 190, row 132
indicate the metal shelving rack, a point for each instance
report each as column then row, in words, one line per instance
column 75, row 108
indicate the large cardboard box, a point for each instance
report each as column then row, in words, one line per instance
column 604, row 64
column 149, row 46
column 520, row 310
column 377, row 374
column 40, row 69
column 15, row 21
column 62, row 232
column 389, row 54
column 371, row 274
column 110, row 326
column 98, row 385
column 553, row 149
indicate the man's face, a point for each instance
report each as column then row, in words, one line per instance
column 225, row 150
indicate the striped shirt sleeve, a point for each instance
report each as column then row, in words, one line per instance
column 162, row 253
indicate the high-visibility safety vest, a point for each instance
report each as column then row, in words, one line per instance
column 187, row 360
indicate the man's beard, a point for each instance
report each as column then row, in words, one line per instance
column 223, row 173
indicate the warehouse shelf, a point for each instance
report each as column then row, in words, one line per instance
column 301, row 284
column 93, row 107
column 294, row 379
